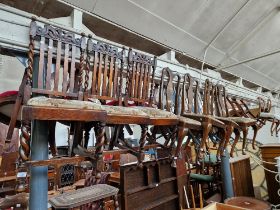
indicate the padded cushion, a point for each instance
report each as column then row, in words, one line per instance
column 157, row 113
column 8, row 93
column 190, row 121
column 75, row 104
column 63, row 103
column 242, row 119
column 202, row 177
column 270, row 115
column 124, row 110
column 212, row 159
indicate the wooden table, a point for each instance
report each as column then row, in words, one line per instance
column 248, row 203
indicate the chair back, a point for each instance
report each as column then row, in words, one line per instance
column 140, row 78
column 60, row 65
column 104, row 72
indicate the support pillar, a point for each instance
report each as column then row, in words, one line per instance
column 38, row 199
column 226, row 176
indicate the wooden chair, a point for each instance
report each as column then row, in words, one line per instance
column 194, row 112
column 220, row 113
column 234, row 112
column 139, row 92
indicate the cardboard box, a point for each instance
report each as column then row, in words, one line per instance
column 221, row 206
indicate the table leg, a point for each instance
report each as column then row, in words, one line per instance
column 39, row 175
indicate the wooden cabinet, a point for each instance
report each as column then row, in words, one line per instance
column 241, row 176
column 269, row 153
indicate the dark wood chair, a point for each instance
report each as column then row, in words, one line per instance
column 220, row 113
column 236, row 113
column 203, row 116
column 139, row 93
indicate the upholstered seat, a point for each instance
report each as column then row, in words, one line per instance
column 242, row 120
column 115, row 110
column 75, row 104
column 189, row 121
column 63, row 103
column 269, row 115
column 202, row 177
column 157, row 113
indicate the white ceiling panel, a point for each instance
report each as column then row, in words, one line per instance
column 242, row 29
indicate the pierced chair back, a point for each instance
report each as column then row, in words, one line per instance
column 104, row 72
column 61, row 62
column 140, row 79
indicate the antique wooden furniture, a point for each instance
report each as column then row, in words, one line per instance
column 83, row 196
column 154, row 186
column 269, row 152
column 241, row 177
column 244, row 122
column 221, row 113
column 194, row 112
column 7, row 101
column 13, row 201
column 248, row 203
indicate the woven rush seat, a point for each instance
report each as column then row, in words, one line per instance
column 83, row 196
column 269, row 115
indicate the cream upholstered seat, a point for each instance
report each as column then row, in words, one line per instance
column 157, row 113
column 189, row 121
column 242, row 119
column 269, row 115
column 63, row 103
column 75, row 104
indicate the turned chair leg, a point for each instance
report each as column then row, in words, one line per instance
column 24, row 149
column 144, row 131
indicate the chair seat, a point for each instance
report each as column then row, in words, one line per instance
column 226, row 119
column 63, row 103
column 157, row 113
column 195, row 116
column 202, row 177
column 190, row 121
column 120, row 110
column 242, row 120
column 269, row 115
column 88, row 105
column 210, row 159
column 83, row 196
